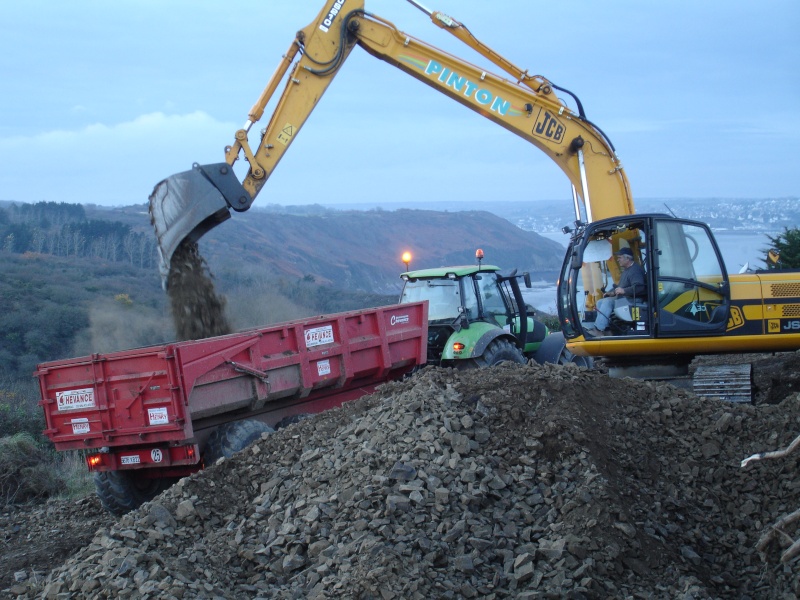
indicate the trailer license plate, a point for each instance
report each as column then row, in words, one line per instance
column 130, row 460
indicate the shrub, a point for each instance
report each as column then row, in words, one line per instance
column 19, row 410
column 786, row 247
column 26, row 470
column 551, row 321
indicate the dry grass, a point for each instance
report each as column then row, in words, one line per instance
column 29, row 472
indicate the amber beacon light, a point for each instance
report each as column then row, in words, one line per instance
column 406, row 258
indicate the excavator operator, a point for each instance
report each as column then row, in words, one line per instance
column 631, row 285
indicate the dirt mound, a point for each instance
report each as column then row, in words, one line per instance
column 518, row 481
column 36, row 538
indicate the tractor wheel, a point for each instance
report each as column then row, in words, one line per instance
column 123, row 491
column 232, row 437
column 500, row 351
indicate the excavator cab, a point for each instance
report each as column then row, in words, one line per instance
column 687, row 292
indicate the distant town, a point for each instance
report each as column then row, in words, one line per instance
column 770, row 215
column 767, row 216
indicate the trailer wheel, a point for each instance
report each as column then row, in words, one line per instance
column 123, row 491
column 500, row 351
column 286, row 421
column 230, row 438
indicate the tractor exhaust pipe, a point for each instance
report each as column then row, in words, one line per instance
column 185, row 206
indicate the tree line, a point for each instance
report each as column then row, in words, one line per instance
column 62, row 229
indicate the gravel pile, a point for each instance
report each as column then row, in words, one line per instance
column 513, row 482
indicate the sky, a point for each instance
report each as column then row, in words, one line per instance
column 101, row 99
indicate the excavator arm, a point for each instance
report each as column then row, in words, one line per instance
column 187, row 205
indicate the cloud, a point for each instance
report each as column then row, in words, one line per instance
column 109, row 164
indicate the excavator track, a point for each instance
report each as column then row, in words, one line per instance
column 733, row 383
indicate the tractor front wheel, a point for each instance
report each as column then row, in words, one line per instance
column 498, row 352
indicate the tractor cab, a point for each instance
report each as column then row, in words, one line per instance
column 469, row 308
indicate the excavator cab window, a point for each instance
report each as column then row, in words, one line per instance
column 692, row 283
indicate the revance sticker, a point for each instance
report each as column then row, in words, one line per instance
column 157, row 416
column 324, row 367
column 75, row 399
column 130, row 460
column 80, row 426
column 317, row 336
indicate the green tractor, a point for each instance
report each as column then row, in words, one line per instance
column 478, row 318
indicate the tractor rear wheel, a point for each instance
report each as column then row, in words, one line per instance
column 498, row 352
column 232, row 437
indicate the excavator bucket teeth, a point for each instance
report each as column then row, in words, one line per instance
column 186, row 205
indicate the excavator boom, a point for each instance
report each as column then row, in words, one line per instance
column 187, row 205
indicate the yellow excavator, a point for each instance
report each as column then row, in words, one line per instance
column 688, row 304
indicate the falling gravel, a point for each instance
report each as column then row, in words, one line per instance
column 197, row 310
column 521, row 481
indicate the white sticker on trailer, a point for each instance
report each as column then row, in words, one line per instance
column 80, row 426
column 316, row 336
column 399, row 319
column 75, row 399
column 157, row 416
column 324, row 367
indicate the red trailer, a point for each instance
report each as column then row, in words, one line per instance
column 154, row 414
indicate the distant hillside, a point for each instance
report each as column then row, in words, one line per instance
column 80, row 279
column 360, row 250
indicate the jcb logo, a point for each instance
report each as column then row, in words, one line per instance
column 548, row 127
column 736, row 319
column 790, row 326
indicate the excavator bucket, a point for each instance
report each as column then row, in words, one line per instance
column 186, row 205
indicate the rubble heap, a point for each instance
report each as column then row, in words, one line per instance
column 518, row 481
